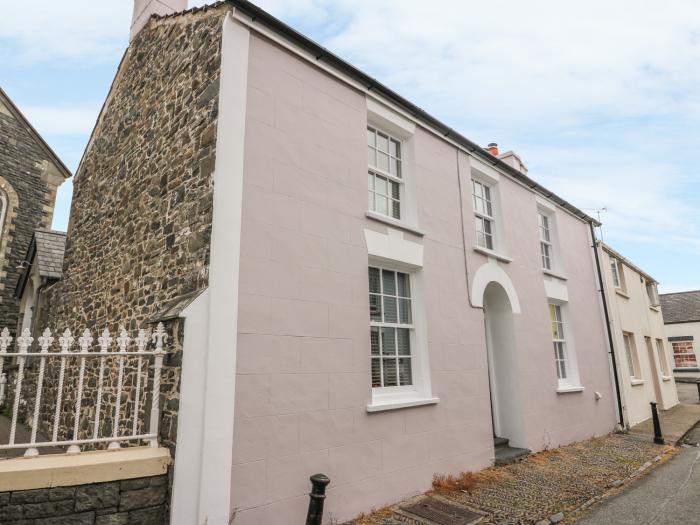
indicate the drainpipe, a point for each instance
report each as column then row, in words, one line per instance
column 607, row 325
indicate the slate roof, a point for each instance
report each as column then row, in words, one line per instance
column 681, row 307
column 50, row 246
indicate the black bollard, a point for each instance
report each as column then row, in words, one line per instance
column 697, row 383
column 316, row 497
column 658, row 438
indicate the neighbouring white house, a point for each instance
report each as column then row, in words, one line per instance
column 682, row 322
column 637, row 328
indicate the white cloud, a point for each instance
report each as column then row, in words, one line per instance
column 44, row 30
column 68, row 120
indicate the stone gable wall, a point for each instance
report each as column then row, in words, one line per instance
column 31, row 195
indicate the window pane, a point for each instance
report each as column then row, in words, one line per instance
column 394, row 149
column 374, row 340
column 404, row 284
column 390, row 378
column 374, row 286
column 376, row 373
column 382, row 161
column 375, row 307
column 395, row 189
column 370, row 201
column 382, row 143
column 389, row 341
column 371, row 157
column 380, row 185
column 381, row 203
column 371, row 137
column 370, row 181
column 404, row 341
column 489, row 211
column 389, row 282
column 393, row 166
column 396, row 209
column 390, row 312
column 405, row 311
column 405, row 371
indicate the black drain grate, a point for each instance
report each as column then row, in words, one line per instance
column 441, row 512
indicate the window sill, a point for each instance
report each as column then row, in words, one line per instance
column 621, row 293
column 393, row 222
column 666, row 378
column 554, row 274
column 381, row 405
column 637, row 382
column 569, row 389
column 491, row 253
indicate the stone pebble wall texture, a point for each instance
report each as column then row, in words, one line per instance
column 31, row 202
column 141, row 214
column 135, row 501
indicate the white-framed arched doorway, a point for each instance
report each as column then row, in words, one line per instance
column 493, row 290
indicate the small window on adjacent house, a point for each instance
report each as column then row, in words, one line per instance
column 684, row 354
column 631, row 354
column 391, row 328
column 663, row 361
column 385, row 183
column 545, row 241
column 484, row 213
column 618, row 274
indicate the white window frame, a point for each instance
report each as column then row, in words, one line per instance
column 381, row 324
column 691, row 352
column 374, row 172
column 652, row 293
column 631, row 356
column 663, row 359
column 560, row 332
column 419, row 393
column 483, row 192
column 617, row 269
column 544, row 226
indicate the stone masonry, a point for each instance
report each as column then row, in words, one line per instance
column 140, row 501
column 30, row 174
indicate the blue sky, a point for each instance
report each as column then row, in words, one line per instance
column 600, row 99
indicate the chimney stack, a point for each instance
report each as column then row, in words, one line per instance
column 143, row 9
column 492, row 148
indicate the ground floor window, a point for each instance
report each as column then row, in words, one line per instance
column 631, row 355
column 391, row 328
column 684, row 354
column 663, row 361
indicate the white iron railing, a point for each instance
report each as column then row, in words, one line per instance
column 130, row 356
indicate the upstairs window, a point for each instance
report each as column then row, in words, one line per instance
column 484, row 214
column 618, row 274
column 546, row 249
column 391, row 328
column 652, row 293
column 385, row 182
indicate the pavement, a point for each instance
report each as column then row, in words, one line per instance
column 675, row 422
column 668, row 495
column 688, row 393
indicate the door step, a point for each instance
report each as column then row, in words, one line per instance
column 505, row 454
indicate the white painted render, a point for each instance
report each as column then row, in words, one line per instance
column 630, row 311
column 210, row 388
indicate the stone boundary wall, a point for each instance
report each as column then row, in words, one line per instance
column 140, row 500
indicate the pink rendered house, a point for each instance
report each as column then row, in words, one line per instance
column 386, row 300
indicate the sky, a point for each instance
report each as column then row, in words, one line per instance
column 599, row 98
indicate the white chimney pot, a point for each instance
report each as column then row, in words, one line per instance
column 143, row 9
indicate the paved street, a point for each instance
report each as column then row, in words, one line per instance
column 668, row 495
